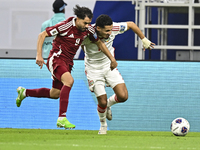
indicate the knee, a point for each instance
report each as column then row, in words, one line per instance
column 55, row 94
column 67, row 79
column 122, row 97
column 102, row 102
column 71, row 82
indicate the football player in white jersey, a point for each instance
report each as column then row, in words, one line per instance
column 97, row 66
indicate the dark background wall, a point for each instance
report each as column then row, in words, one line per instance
column 121, row 11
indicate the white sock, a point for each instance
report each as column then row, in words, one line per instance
column 112, row 100
column 102, row 116
column 61, row 118
column 24, row 93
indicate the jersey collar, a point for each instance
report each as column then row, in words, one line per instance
column 73, row 21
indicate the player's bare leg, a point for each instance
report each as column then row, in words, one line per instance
column 121, row 95
column 101, row 109
column 54, row 93
column 67, row 81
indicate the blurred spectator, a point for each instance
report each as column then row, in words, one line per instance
column 59, row 15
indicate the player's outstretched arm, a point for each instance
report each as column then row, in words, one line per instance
column 147, row 44
column 105, row 50
column 40, row 41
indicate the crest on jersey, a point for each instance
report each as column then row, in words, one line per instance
column 54, row 32
column 122, row 28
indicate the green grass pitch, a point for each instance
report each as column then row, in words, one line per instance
column 39, row 139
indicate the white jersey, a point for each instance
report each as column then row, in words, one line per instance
column 94, row 57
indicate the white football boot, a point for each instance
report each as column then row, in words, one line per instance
column 103, row 130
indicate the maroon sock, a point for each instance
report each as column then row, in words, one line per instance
column 64, row 99
column 42, row 92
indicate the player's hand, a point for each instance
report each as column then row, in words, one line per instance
column 113, row 64
column 40, row 61
column 151, row 46
column 147, row 44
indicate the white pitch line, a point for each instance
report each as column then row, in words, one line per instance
column 93, row 146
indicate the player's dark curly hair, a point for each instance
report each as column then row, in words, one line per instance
column 103, row 20
column 82, row 12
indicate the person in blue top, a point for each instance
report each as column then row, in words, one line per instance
column 59, row 15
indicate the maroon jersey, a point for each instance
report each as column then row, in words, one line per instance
column 68, row 39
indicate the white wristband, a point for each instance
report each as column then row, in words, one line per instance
column 146, row 43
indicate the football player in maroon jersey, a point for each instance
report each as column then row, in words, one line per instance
column 69, row 35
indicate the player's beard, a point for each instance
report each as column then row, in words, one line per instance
column 82, row 29
column 102, row 35
column 107, row 36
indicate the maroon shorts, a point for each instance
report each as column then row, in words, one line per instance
column 57, row 67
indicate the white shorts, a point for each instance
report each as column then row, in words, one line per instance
column 101, row 78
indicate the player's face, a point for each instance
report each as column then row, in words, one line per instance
column 104, row 32
column 82, row 24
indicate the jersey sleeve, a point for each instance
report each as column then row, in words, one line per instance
column 119, row 28
column 92, row 34
column 56, row 29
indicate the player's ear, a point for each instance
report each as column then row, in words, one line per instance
column 78, row 19
column 98, row 28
